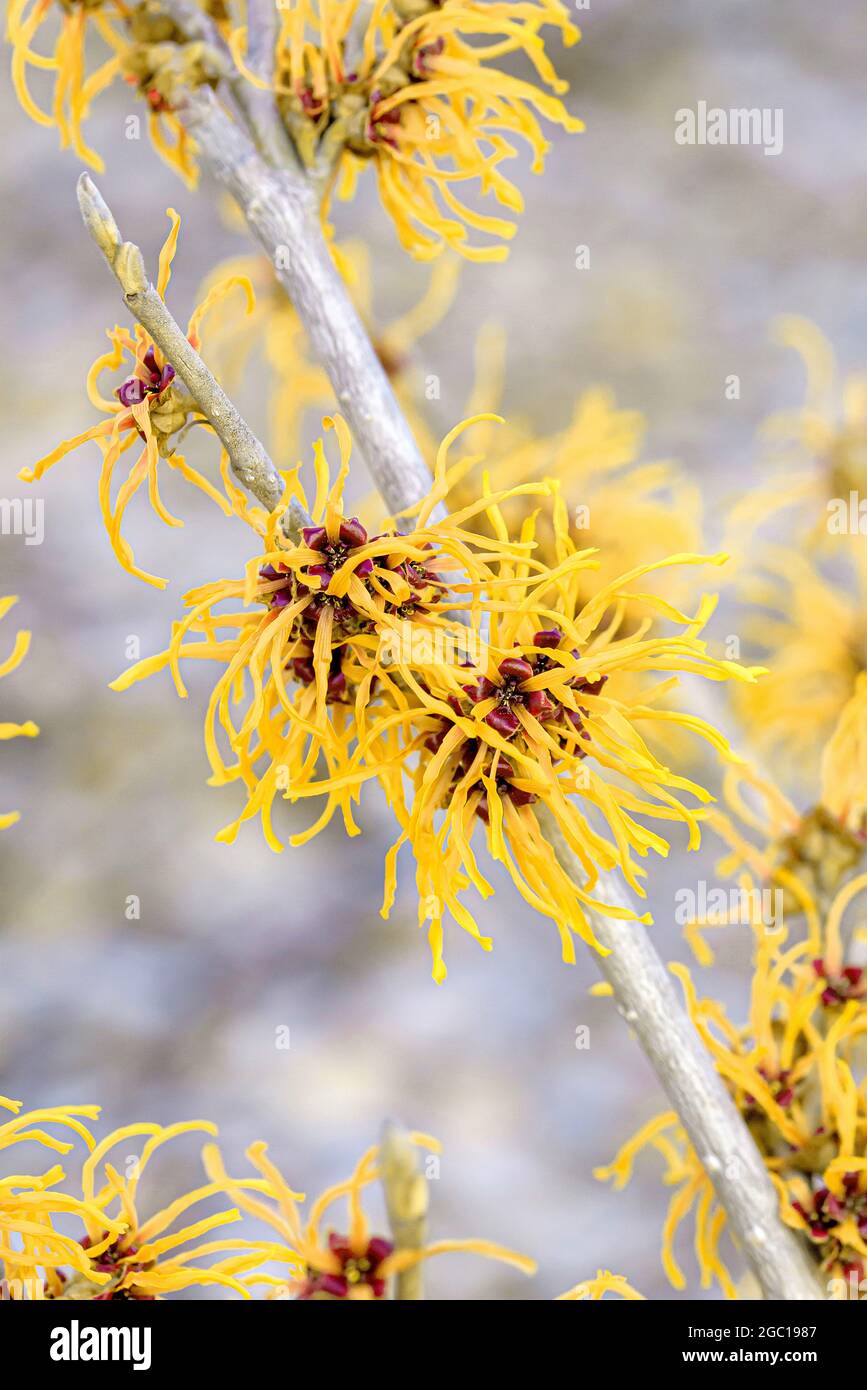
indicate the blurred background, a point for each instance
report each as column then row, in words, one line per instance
column 693, row 250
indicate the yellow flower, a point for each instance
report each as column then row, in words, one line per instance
column 829, row 432
column 157, row 59
column 9, row 730
column 31, row 1250
column 73, row 89
column 147, row 50
column 542, row 722
column 142, row 1258
column 683, row 1172
column 425, row 102
column 594, row 1290
column 357, row 1265
column 328, row 616
column 150, row 408
column 844, row 764
column 810, row 629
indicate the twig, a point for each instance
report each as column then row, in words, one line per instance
column 282, row 212
column 406, row 1200
column 247, row 455
column 261, row 105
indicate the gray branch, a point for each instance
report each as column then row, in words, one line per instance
column 247, row 455
column 281, row 210
column 261, row 105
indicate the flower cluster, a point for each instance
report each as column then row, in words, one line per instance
column 480, row 686
column 118, row 1255
column 796, row 1068
column 142, row 45
column 149, row 410
column 412, row 86
column 421, row 97
column 73, row 88
column 802, row 559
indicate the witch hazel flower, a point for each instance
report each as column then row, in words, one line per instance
column 512, row 688
column 150, row 408
column 318, row 639
column 359, row 1267
column 8, row 730
column 152, row 381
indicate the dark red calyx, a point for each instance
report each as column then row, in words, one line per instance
column 537, row 703
column 585, row 687
column 515, row 668
column 355, row 1269
column 503, row 721
column 315, row 537
column 548, row 637
column 423, row 55
column 352, row 533
column 849, row 984
column 136, row 388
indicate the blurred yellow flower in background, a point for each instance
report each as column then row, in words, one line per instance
column 808, row 625
column 829, row 432
column 73, row 89
column 9, row 730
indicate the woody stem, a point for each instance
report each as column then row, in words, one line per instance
column 282, row 212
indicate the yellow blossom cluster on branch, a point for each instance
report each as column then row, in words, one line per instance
column 352, row 1263
column 796, row 1069
column 799, row 545
column 141, row 45
column 422, row 98
column 471, row 679
column 118, row 1254
column 413, row 87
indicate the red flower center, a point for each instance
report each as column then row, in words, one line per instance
column 355, row 1269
